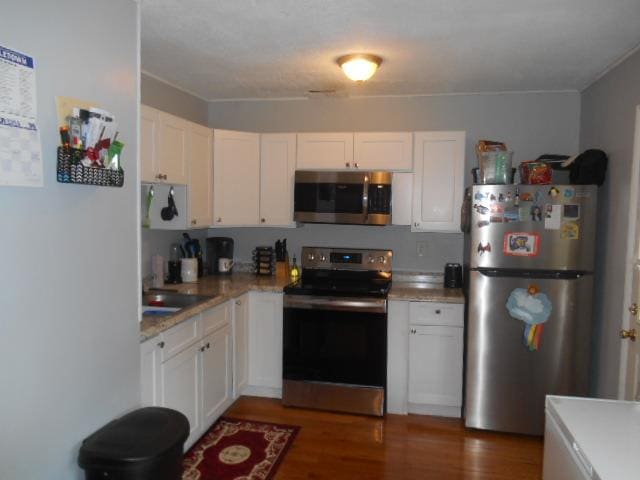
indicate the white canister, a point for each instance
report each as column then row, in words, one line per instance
column 189, row 270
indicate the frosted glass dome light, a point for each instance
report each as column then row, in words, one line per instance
column 359, row 67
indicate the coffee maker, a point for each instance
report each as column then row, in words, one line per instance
column 217, row 248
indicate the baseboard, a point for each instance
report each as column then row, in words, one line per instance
column 258, row 391
column 436, row 410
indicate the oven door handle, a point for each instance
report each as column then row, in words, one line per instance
column 344, row 304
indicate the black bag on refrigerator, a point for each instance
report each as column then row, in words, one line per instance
column 589, row 168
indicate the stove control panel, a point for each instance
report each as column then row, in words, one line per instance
column 357, row 259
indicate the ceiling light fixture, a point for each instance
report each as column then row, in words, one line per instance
column 359, row 66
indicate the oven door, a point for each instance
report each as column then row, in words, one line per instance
column 335, row 339
column 335, row 353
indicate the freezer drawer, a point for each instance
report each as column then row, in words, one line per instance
column 506, row 383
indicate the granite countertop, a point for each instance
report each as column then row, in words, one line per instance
column 223, row 287
column 419, row 288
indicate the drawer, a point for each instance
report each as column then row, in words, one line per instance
column 215, row 317
column 438, row 314
column 179, row 337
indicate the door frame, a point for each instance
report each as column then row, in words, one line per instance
column 632, row 233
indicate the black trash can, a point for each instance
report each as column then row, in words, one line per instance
column 145, row 444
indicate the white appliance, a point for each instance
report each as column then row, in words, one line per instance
column 587, row 438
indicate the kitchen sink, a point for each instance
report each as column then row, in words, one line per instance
column 173, row 300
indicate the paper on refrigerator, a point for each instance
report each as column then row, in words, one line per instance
column 20, row 149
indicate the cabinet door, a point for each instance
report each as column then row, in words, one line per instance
column 172, row 153
column 199, row 158
column 180, row 387
column 150, row 379
column 383, row 151
column 435, row 365
column 236, row 178
column 325, row 151
column 397, row 356
column 216, row 375
column 401, row 188
column 438, row 181
column 149, row 137
column 265, row 340
column 240, row 345
column 277, row 171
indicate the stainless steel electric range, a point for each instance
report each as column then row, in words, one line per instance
column 335, row 331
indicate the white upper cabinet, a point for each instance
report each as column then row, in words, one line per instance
column 438, row 181
column 199, row 157
column 172, row 151
column 149, row 138
column 277, row 170
column 401, row 198
column 383, row 151
column 325, row 151
column 236, row 178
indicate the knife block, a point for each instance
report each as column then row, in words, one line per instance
column 283, row 269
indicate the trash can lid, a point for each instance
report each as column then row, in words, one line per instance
column 138, row 436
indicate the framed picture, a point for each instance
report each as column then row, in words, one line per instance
column 521, row 244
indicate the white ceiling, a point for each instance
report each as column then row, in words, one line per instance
column 223, row 49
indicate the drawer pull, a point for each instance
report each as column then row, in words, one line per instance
column 438, row 311
column 161, row 344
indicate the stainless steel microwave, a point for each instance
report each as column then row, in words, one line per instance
column 355, row 198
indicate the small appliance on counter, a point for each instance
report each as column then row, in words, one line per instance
column 453, row 275
column 220, row 248
column 175, row 275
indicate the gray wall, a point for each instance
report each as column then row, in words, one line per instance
column 607, row 122
column 531, row 124
column 68, row 290
column 163, row 96
column 441, row 247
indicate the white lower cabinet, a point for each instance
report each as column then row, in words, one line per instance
column 265, row 344
column 240, row 344
column 189, row 368
column 150, row 363
column 216, row 374
column 425, row 351
column 181, row 386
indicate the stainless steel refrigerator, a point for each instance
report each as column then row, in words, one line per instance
column 529, row 263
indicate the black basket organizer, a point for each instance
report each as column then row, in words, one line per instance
column 71, row 170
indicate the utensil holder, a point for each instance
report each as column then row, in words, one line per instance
column 71, row 170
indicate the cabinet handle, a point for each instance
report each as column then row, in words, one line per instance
column 161, row 344
column 219, row 219
column 208, row 345
column 263, row 220
column 193, row 222
column 238, row 302
column 413, row 331
column 164, row 176
column 357, row 165
column 416, row 224
column 203, row 348
column 438, row 311
column 347, row 164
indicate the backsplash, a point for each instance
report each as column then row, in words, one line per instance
column 439, row 248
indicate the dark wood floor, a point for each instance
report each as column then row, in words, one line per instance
column 338, row 446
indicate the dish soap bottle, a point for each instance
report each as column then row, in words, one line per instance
column 295, row 271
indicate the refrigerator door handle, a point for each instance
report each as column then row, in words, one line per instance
column 540, row 274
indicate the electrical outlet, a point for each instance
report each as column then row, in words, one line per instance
column 421, row 248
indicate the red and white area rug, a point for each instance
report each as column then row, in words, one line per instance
column 239, row 449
